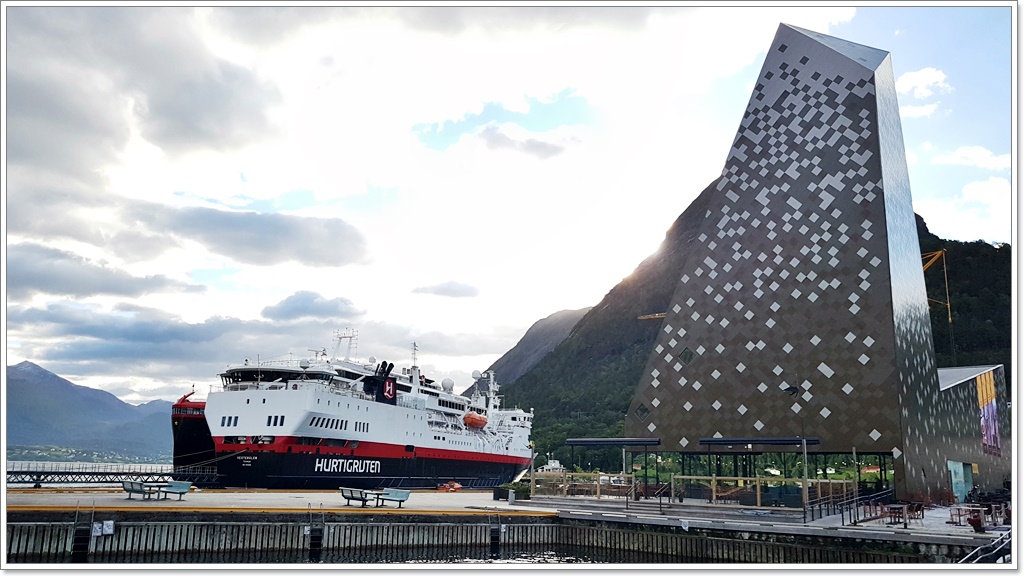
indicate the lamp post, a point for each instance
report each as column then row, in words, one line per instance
column 533, row 469
column 803, row 442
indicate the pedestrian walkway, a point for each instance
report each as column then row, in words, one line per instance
column 936, row 520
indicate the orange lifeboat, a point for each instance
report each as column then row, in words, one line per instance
column 474, row 420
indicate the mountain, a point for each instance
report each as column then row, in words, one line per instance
column 980, row 297
column 540, row 339
column 583, row 387
column 44, row 409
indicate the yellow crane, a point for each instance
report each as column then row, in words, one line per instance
column 930, row 258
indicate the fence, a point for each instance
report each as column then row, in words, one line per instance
column 248, row 542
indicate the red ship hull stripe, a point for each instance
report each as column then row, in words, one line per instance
column 282, row 445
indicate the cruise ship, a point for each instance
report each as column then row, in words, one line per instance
column 321, row 422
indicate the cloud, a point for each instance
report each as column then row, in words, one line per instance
column 450, row 289
column 77, row 77
column 262, row 25
column 257, row 238
column 993, row 194
column 922, row 83
column 125, row 326
column 498, row 19
column 35, row 269
column 923, row 111
column 976, row 156
column 497, row 141
column 978, row 212
column 313, row 305
column 61, row 118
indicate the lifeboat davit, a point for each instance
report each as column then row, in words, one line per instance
column 474, row 420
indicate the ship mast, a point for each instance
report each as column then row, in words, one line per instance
column 349, row 335
column 414, row 373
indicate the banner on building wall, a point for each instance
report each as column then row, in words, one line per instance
column 989, row 413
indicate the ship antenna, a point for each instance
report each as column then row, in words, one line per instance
column 414, row 348
column 350, row 335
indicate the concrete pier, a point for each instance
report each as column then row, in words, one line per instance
column 41, row 522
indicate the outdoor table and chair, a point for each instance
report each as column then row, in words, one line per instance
column 378, row 496
column 896, row 513
column 958, row 513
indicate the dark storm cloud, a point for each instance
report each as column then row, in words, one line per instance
column 451, row 289
column 257, row 238
column 313, row 305
column 496, row 141
column 34, row 269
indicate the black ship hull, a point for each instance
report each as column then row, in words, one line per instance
column 326, row 472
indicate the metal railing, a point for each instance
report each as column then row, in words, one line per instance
column 992, row 552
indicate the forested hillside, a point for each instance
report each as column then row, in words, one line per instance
column 583, row 387
column 980, row 294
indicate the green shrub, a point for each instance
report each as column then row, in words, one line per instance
column 520, row 488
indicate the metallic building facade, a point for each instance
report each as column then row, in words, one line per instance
column 801, row 309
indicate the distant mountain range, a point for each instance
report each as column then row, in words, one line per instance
column 44, row 409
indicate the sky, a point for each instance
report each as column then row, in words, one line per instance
column 186, row 187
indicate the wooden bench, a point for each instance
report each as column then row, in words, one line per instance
column 350, row 494
column 176, row 487
column 133, row 487
column 393, row 495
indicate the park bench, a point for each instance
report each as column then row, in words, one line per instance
column 393, row 495
column 134, row 487
column 176, row 487
column 350, row 494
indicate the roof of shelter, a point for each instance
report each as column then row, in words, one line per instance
column 949, row 377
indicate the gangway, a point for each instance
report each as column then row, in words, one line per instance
column 39, row 473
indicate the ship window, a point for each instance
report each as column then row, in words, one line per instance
column 275, row 420
column 264, row 400
column 235, row 423
column 246, row 400
column 222, row 420
column 282, row 420
column 268, row 420
column 311, row 420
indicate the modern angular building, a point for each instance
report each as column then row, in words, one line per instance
column 801, row 308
